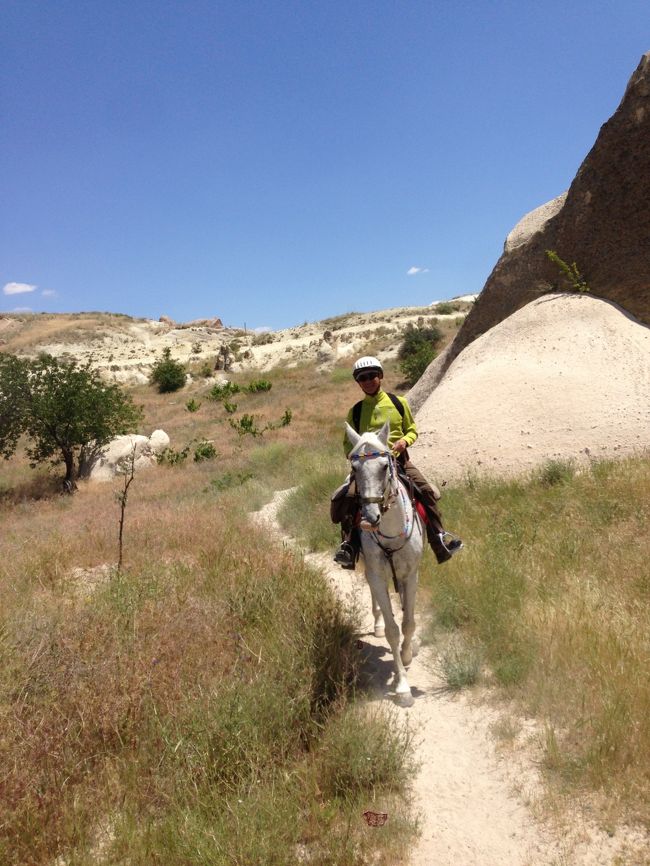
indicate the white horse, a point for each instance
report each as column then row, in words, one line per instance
column 392, row 542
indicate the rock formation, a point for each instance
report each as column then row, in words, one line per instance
column 114, row 457
column 602, row 223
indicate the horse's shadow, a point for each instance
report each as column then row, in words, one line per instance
column 376, row 671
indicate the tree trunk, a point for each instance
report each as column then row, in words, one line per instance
column 70, row 480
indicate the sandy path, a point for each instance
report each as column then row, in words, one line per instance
column 475, row 807
column 469, row 815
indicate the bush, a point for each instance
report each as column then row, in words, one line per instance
column 168, row 374
column 204, row 451
column 171, row 457
column 554, row 472
column 446, row 308
column 417, row 350
column 221, row 392
column 258, row 385
column 192, row 405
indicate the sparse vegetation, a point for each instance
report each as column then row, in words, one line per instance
column 570, row 272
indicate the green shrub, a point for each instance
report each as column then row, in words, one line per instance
column 417, row 350
column 246, row 425
column 555, row 472
column 167, row 374
column 446, row 308
column 192, row 405
column 171, row 457
column 204, row 451
column 221, row 392
column 258, row 385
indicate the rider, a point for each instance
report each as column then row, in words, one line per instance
column 377, row 407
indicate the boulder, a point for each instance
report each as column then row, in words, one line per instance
column 114, row 458
column 129, row 377
column 602, row 224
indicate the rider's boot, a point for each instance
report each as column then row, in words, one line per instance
column 443, row 544
column 344, row 556
column 348, row 553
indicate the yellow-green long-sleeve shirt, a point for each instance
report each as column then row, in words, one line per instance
column 375, row 411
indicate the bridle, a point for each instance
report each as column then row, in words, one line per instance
column 392, row 490
column 389, row 492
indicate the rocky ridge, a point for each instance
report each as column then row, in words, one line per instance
column 125, row 349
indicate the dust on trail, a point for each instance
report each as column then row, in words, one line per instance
column 475, row 806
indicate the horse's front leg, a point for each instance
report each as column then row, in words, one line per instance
column 407, row 594
column 379, row 592
column 377, row 615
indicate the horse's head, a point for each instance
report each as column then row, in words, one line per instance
column 372, row 464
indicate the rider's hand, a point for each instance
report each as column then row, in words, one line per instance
column 400, row 446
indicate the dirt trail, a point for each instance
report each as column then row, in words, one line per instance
column 476, row 808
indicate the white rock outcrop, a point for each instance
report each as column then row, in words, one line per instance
column 115, row 456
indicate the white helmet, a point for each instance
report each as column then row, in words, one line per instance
column 366, row 363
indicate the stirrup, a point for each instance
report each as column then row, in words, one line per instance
column 450, row 542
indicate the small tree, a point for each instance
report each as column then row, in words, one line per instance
column 14, row 378
column 168, row 374
column 417, row 350
column 68, row 412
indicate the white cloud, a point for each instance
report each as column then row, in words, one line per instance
column 48, row 293
column 22, row 310
column 413, row 271
column 18, row 288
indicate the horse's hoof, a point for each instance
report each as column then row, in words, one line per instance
column 404, row 699
column 380, row 631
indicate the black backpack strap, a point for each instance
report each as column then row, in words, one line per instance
column 356, row 415
column 397, row 403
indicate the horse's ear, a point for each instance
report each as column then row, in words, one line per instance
column 352, row 435
column 384, row 433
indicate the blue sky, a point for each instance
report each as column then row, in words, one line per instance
column 278, row 162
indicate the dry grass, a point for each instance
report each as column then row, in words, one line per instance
column 192, row 709
column 38, row 328
column 554, row 586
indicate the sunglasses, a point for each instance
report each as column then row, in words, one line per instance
column 366, row 377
